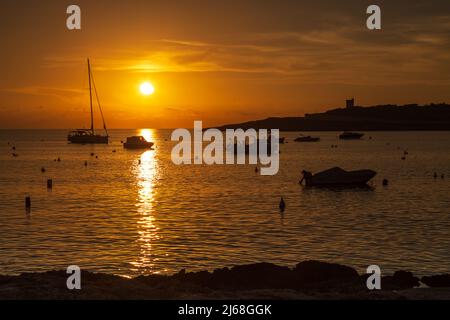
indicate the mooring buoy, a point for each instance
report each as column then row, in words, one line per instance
column 27, row 202
column 282, row 205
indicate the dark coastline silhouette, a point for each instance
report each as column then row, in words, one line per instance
column 356, row 118
column 307, row 280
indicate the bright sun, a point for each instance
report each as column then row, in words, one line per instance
column 146, row 88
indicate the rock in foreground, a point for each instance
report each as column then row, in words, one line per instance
column 438, row 281
column 308, row 280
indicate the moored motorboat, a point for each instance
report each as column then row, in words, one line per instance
column 347, row 135
column 337, row 177
column 307, row 139
column 137, row 142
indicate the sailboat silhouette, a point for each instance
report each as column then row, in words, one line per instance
column 85, row 136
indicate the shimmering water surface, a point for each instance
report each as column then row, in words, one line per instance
column 122, row 217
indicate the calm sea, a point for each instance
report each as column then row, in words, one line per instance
column 122, row 217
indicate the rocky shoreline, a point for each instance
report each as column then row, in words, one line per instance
column 358, row 118
column 307, row 280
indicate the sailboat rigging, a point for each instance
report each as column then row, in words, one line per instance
column 85, row 136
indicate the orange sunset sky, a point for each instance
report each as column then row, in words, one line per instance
column 216, row 61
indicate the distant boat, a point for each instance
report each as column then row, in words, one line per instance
column 338, row 177
column 307, row 139
column 137, row 142
column 347, row 135
column 88, row 136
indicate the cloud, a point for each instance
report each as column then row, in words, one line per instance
column 338, row 50
column 64, row 94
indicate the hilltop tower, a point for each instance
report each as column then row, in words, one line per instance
column 350, row 103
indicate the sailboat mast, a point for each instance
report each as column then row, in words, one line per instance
column 90, row 97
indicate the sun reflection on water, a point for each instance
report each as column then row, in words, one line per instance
column 146, row 173
column 147, row 134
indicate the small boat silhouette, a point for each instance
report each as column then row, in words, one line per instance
column 337, row 177
column 307, row 139
column 137, row 142
column 88, row 136
column 347, row 135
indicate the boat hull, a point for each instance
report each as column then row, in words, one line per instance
column 351, row 136
column 136, row 147
column 311, row 139
column 92, row 139
column 340, row 177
